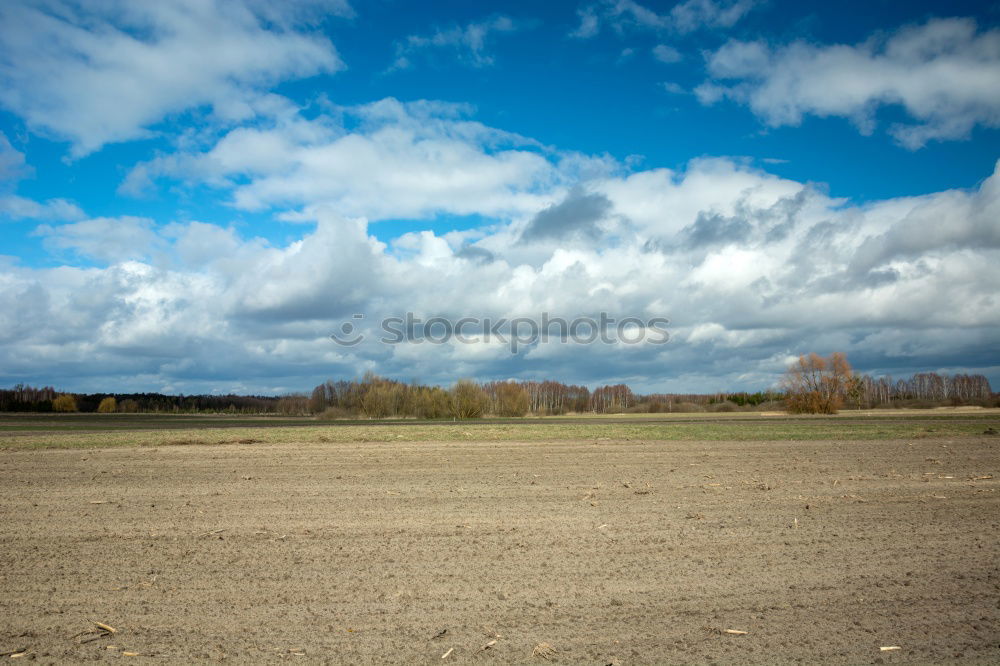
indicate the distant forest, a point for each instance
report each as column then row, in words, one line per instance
column 378, row 397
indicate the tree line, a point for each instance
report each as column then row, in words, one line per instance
column 813, row 384
column 817, row 385
column 959, row 389
column 379, row 397
column 23, row 398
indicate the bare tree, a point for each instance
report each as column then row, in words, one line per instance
column 507, row 398
column 817, row 385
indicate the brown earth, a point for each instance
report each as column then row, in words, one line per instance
column 609, row 552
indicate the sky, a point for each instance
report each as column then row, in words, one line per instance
column 195, row 195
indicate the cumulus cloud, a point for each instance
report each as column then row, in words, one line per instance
column 14, row 207
column 684, row 17
column 942, row 73
column 97, row 73
column 972, row 224
column 397, row 160
column 103, row 238
column 749, row 267
column 578, row 215
column 468, row 43
column 473, row 253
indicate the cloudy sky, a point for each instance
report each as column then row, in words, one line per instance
column 195, row 194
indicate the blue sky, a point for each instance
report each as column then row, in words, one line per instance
column 193, row 195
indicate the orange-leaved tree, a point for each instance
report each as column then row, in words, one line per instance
column 817, row 385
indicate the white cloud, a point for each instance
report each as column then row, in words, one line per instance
column 626, row 54
column 943, row 73
column 105, row 239
column 12, row 165
column 694, row 14
column 663, row 202
column 749, row 267
column 467, row 42
column 685, row 17
column 589, row 26
column 973, row 223
column 619, row 14
column 21, row 208
column 96, row 73
column 407, row 160
column 666, row 54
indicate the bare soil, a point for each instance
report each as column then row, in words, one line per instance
column 605, row 551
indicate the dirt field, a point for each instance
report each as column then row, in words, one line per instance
column 608, row 551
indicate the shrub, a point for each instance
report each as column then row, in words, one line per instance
column 378, row 401
column 432, row 403
column 688, row 407
column 64, row 403
column 334, row 413
column 468, row 400
column 108, row 406
column 128, row 406
column 511, row 399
